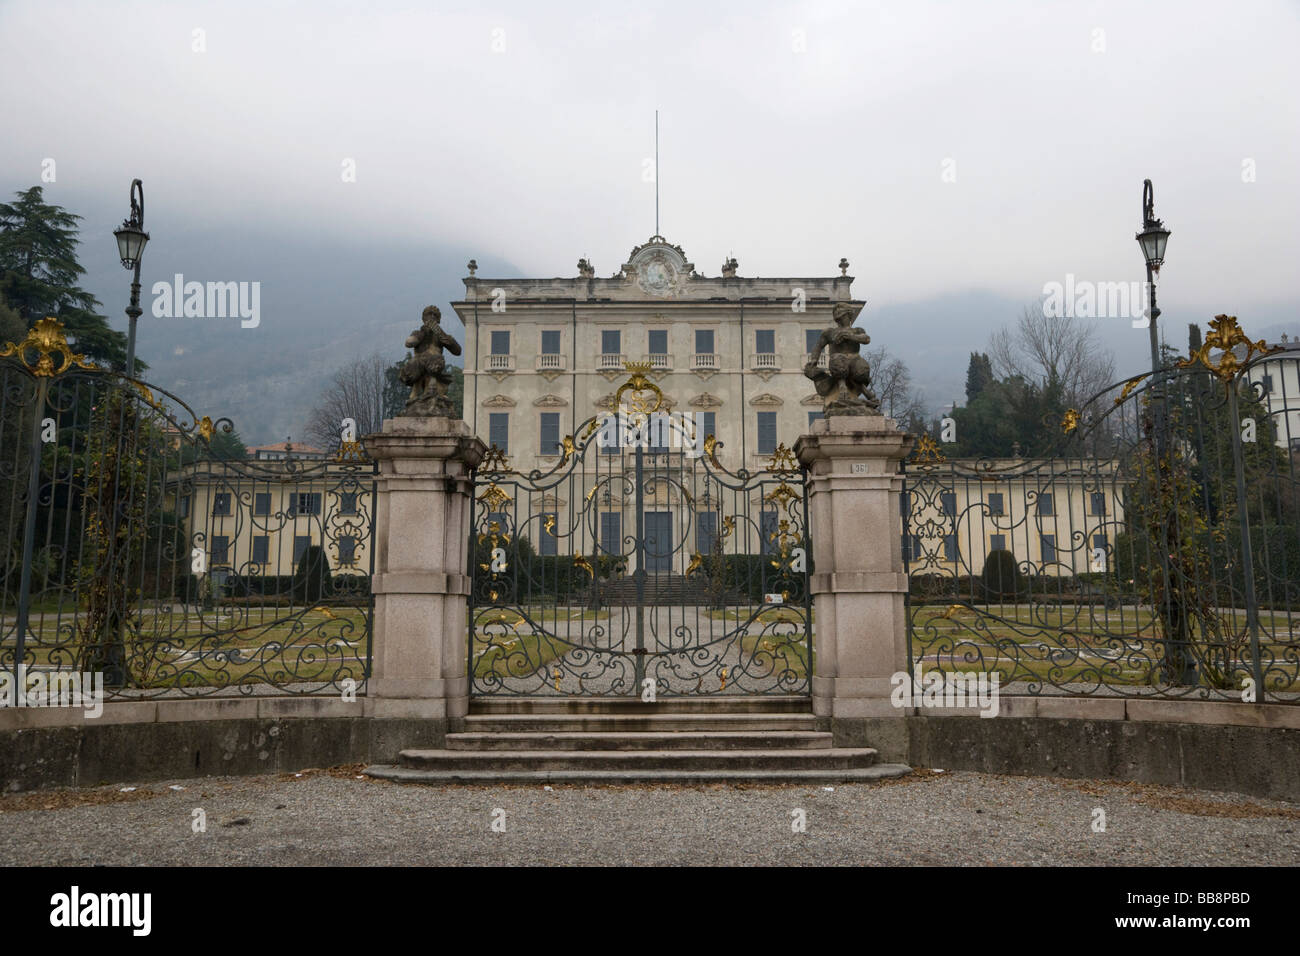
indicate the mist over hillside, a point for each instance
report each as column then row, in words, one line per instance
column 327, row 300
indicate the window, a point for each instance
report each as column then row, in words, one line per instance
column 660, row 428
column 709, row 422
column 261, row 549
column 911, row 547
column 815, row 417
column 262, row 503
column 550, row 433
column 301, row 542
column 765, row 341
column 1100, row 541
column 811, row 338
column 611, row 532
column 184, row 505
column 546, row 543
column 1268, row 384
column 706, row 531
column 996, row 504
column 501, row 342
column 305, row 503
column 658, row 341
column 703, row 341
column 766, row 433
column 997, row 542
column 950, row 547
column 767, row 527
column 220, row 549
column 551, row 342
column 1046, row 506
column 221, row 503
column 1098, row 501
column 348, row 503
column 611, row 341
column 948, row 500
column 1049, row 547
column 499, row 430
column 348, row 549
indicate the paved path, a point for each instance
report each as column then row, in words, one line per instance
column 952, row 818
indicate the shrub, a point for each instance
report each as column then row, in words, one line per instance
column 1002, row 577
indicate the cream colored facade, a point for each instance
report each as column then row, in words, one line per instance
column 1055, row 521
column 1277, row 381
column 753, row 364
column 257, row 520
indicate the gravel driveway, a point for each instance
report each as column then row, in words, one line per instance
column 332, row 818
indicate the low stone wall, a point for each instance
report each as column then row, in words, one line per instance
column 171, row 739
column 1244, row 748
column 1241, row 748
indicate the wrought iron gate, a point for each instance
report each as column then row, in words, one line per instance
column 1156, row 554
column 134, row 549
column 636, row 564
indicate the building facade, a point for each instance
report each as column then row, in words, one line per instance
column 544, row 355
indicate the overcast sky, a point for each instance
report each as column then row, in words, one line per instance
column 791, row 134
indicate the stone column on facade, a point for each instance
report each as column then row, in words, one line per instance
column 420, row 583
column 858, row 583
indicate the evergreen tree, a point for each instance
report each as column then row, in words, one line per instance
column 39, row 273
column 979, row 375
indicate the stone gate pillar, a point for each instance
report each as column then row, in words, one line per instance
column 422, row 514
column 858, row 583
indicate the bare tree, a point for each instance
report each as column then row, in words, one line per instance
column 891, row 380
column 356, row 391
column 1061, row 349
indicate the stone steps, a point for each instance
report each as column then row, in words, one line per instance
column 636, row 723
column 740, row 704
column 773, row 740
column 636, row 741
column 677, row 776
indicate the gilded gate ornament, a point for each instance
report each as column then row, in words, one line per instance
column 1227, row 335
column 47, row 340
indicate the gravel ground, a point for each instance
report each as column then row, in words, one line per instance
column 332, row 818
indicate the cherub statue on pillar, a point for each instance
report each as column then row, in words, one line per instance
column 426, row 370
column 845, row 383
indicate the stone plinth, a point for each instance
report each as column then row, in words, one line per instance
column 422, row 513
column 858, row 584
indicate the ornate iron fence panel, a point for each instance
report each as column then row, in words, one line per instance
column 1156, row 554
column 636, row 564
column 133, row 551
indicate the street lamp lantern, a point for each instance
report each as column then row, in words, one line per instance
column 131, row 240
column 1154, row 235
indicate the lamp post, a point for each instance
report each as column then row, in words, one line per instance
column 131, row 240
column 1180, row 666
column 1152, row 239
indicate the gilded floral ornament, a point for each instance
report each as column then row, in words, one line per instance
column 640, row 387
column 1071, row 420
column 47, row 340
column 494, row 498
column 783, row 460
column 350, row 451
column 1227, row 335
column 494, row 460
column 927, row 451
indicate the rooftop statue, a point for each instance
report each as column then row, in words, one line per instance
column 426, row 370
column 845, row 383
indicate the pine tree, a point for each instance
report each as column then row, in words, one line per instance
column 979, row 375
column 39, row 273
